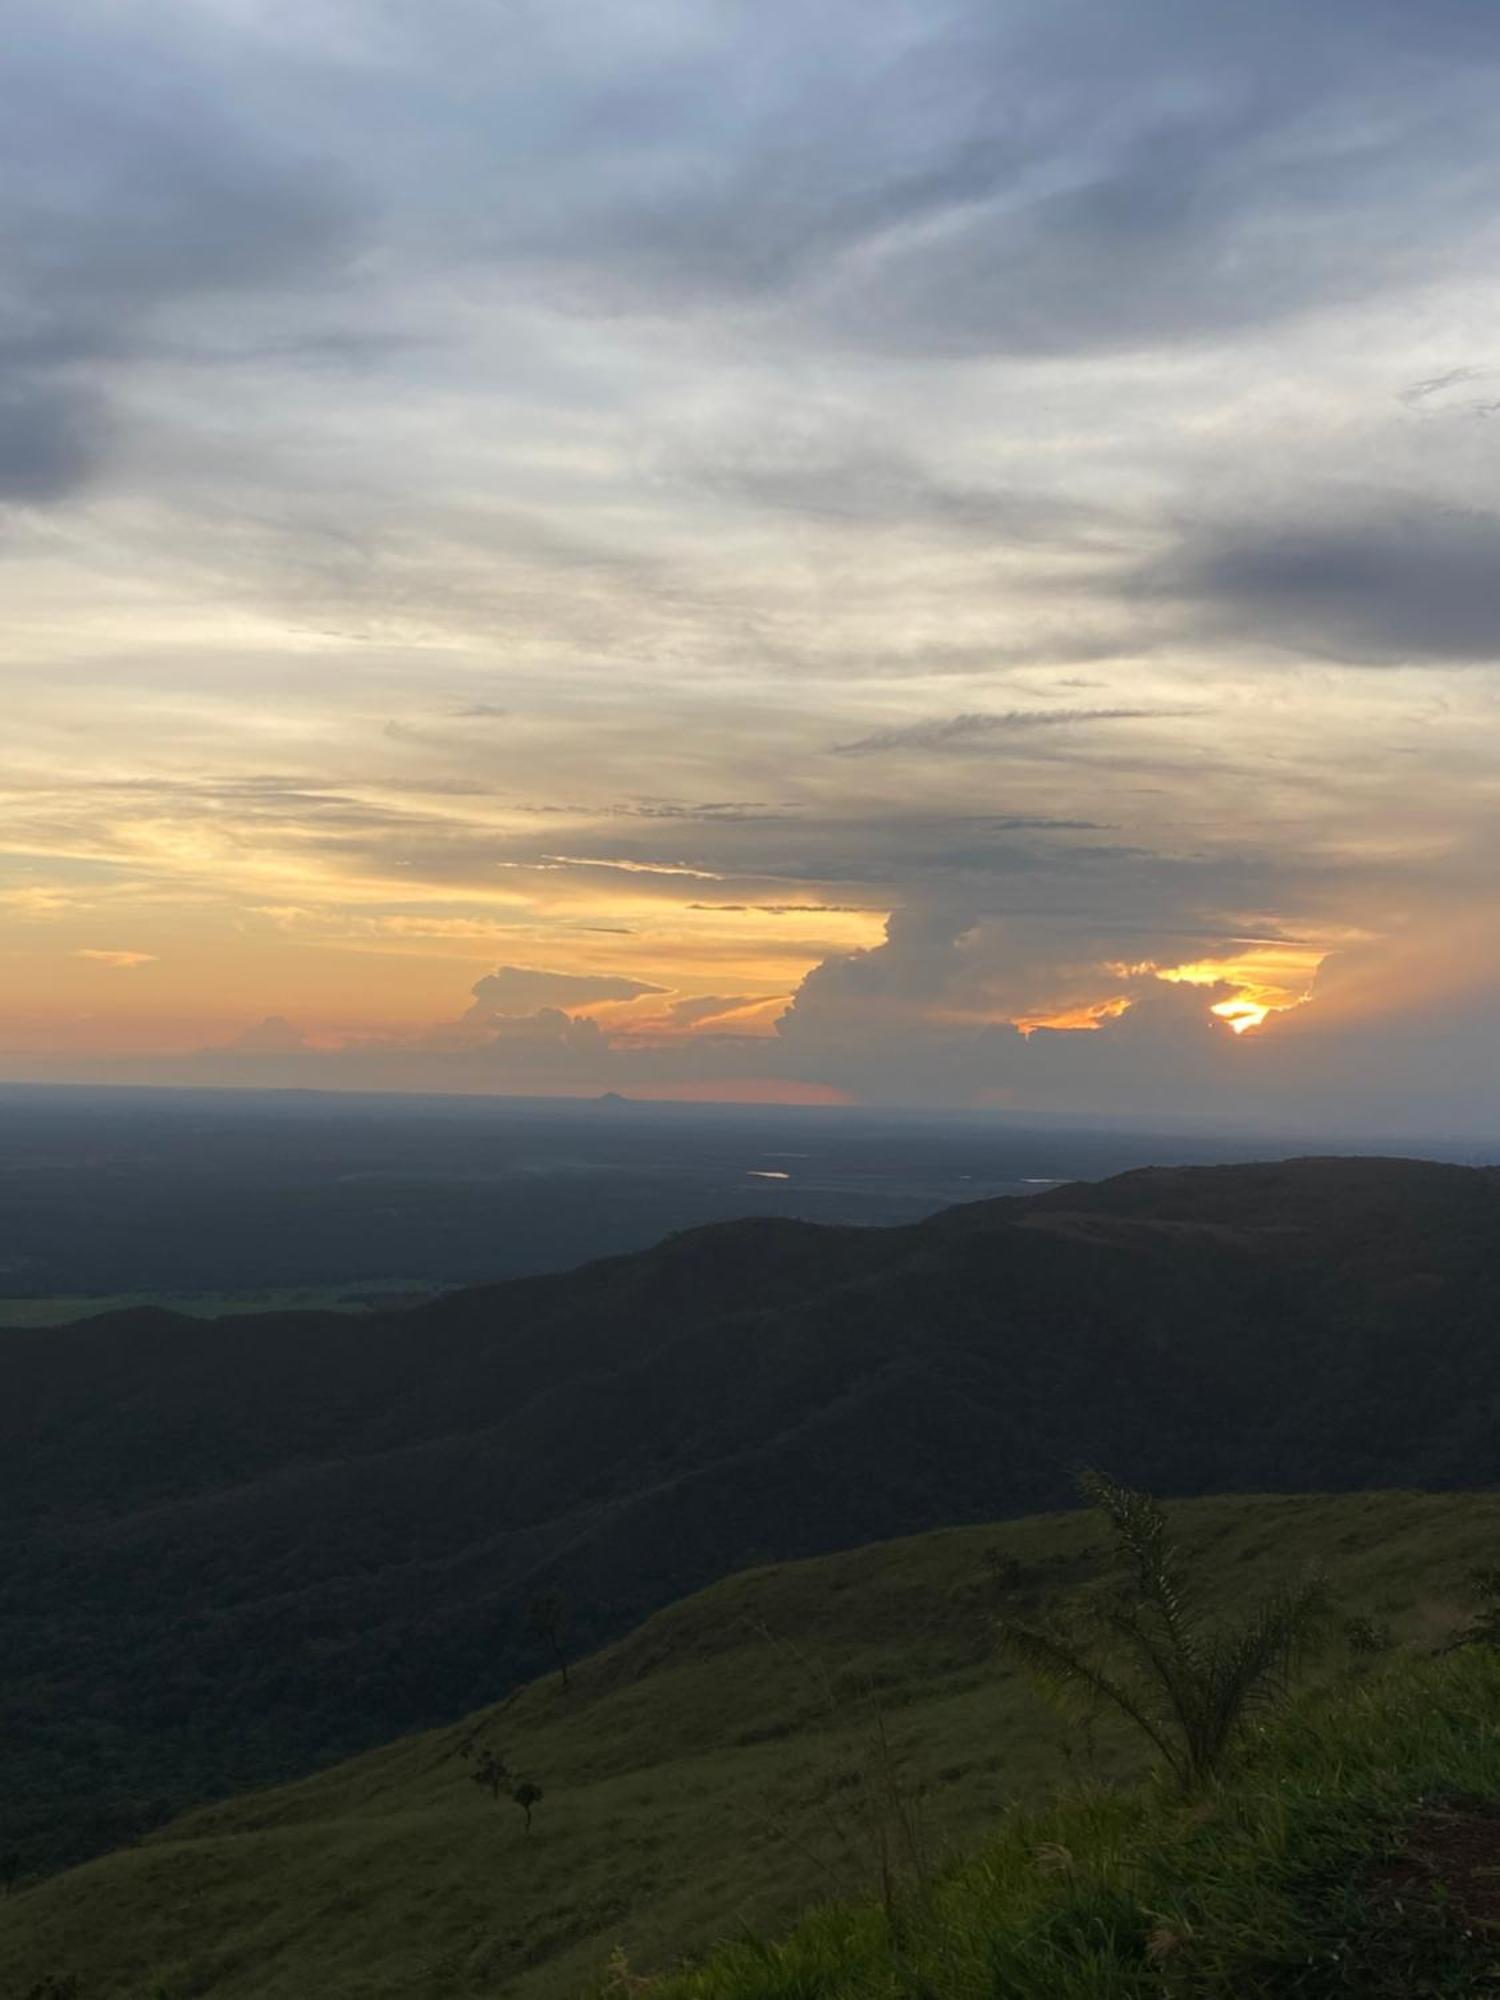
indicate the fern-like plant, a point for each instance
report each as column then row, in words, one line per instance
column 1187, row 1682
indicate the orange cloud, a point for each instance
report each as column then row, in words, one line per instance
column 122, row 961
column 1085, row 1019
column 1267, row 979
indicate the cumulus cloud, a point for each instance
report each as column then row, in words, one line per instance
column 274, row 1036
column 521, row 990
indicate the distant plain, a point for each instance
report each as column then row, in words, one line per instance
column 212, row 1202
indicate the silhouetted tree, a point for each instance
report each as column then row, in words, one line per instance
column 527, row 1795
column 546, row 1615
column 10, row 1870
column 490, row 1772
column 1186, row 1681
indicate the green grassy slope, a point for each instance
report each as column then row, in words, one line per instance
column 1351, row 1853
column 710, row 1773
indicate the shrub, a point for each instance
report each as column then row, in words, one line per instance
column 1187, row 1682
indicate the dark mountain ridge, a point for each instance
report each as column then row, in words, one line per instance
column 238, row 1549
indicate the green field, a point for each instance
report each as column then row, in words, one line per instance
column 65, row 1309
column 736, row 1760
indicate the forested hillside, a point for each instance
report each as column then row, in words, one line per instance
column 235, row 1551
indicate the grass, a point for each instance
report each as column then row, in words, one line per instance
column 836, row 1733
column 1296, row 1877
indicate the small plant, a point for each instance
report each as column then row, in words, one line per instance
column 621, row 1980
column 1363, row 1635
column 546, row 1615
column 1483, row 1629
column 1004, row 1572
column 1186, row 1682
column 527, row 1795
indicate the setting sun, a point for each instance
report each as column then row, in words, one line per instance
column 1241, row 1014
column 1268, row 979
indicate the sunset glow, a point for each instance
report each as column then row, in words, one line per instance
column 1085, row 1019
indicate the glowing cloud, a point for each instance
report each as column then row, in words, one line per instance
column 1268, row 979
column 121, row 961
column 1086, row 1019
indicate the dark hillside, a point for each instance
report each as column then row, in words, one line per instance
column 236, row 1550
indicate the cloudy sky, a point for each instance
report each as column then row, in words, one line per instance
column 901, row 550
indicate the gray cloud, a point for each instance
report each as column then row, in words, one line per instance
column 1383, row 585
column 830, row 468
column 709, row 1007
column 522, row 990
column 954, row 731
column 124, row 200
column 790, row 909
column 51, row 439
column 275, row 1036
column 1035, row 179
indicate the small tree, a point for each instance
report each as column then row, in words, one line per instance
column 546, row 1615
column 490, row 1772
column 10, row 1870
column 526, row 1795
column 493, row 1775
column 1188, row 1683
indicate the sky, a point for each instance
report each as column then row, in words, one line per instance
column 899, row 551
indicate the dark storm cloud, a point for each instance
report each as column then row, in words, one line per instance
column 1389, row 585
column 126, row 195
column 50, row 439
